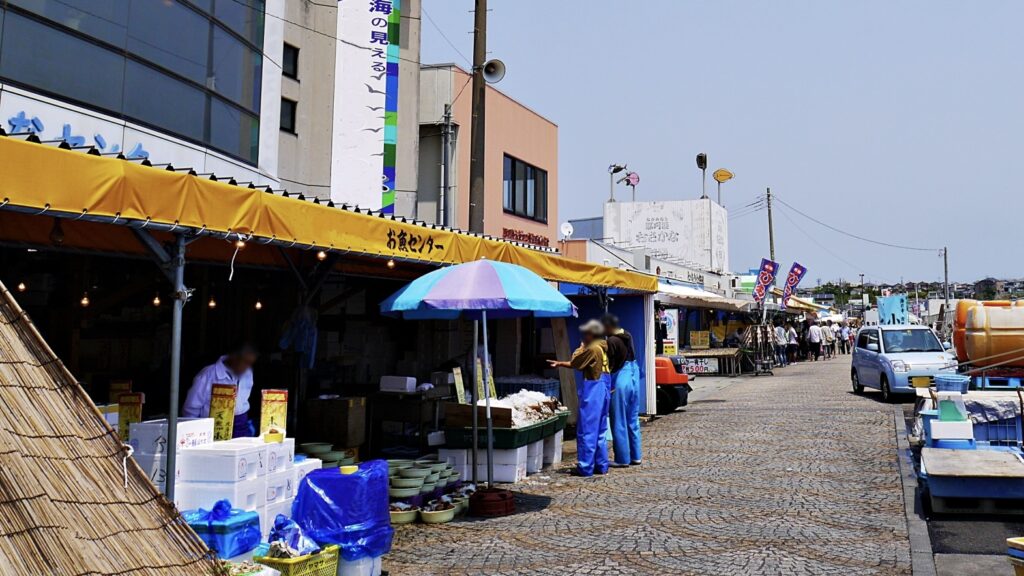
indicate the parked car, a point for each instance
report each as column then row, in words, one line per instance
column 897, row 358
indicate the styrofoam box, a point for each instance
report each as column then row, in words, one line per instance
column 455, row 457
column 246, row 495
column 553, row 449
column 534, row 462
column 270, row 512
column 222, row 462
column 155, row 466
column 397, row 384
column 280, row 485
column 509, row 473
column 151, row 436
column 305, row 467
column 277, row 456
column 952, row 430
column 509, row 457
column 362, row 567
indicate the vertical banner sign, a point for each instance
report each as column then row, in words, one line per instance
column 893, row 310
column 670, row 345
column 273, row 410
column 129, row 410
column 765, row 278
column 796, row 274
column 460, row 389
column 480, row 380
column 365, row 131
column 222, row 410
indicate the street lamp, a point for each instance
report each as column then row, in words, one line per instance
column 613, row 169
column 702, row 163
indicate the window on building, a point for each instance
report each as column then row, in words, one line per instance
column 290, row 62
column 171, row 65
column 288, row 109
column 525, row 190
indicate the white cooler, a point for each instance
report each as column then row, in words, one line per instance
column 246, row 495
column 222, row 462
column 280, row 485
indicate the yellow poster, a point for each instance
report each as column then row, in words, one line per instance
column 700, row 339
column 669, row 348
column 480, row 380
column 274, row 410
column 222, row 410
column 460, row 390
column 129, row 410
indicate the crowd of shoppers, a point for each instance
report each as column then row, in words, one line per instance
column 811, row 341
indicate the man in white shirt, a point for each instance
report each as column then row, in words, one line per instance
column 814, row 338
column 234, row 368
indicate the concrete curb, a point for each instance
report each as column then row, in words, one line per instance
column 922, row 560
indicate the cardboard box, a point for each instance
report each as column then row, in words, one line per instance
column 461, row 416
column 150, row 436
column 340, row 421
column 397, row 384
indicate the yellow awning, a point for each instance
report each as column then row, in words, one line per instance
column 69, row 183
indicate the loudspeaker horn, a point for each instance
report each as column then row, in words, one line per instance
column 494, row 71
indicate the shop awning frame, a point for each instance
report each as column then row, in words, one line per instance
column 688, row 297
column 39, row 179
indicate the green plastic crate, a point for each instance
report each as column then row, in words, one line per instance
column 506, row 438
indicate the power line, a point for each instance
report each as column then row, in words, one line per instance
column 852, row 235
column 823, row 247
column 443, row 35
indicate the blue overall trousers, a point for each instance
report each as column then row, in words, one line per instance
column 625, row 412
column 592, row 425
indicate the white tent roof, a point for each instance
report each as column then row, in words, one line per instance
column 697, row 298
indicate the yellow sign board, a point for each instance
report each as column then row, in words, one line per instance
column 129, row 410
column 722, row 175
column 669, row 348
column 273, row 410
column 460, row 389
column 480, row 380
column 222, row 410
column 700, row 339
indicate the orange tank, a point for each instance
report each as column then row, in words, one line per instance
column 960, row 323
column 995, row 335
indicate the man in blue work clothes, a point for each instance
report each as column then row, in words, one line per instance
column 591, row 358
column 625, row 400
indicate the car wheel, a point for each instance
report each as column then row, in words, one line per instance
column 886, row 392
column 858, row 388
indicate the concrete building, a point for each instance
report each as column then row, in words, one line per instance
column 521, row 182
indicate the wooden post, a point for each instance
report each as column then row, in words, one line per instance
column 566, row 376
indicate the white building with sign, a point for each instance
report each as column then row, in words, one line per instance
column 692, row 231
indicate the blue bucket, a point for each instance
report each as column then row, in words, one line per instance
column 948, row 382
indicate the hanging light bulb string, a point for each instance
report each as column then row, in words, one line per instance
column 239, row 244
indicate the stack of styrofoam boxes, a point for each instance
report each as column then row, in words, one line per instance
column 553, row 449
column 149, row 444
column 534, row 456
column 509, row 465
column 250, row 473
column 460, row 459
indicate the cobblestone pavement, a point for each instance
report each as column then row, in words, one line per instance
column 790, row 474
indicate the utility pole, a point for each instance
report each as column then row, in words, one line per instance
column 444, row 215
column 945, row 267
column 771, row 229
column 477, row 144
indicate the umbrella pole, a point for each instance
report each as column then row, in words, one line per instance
column 487, row 395
column 473, row 386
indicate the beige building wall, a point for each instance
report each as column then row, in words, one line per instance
column 304, row 163
column 512, row 129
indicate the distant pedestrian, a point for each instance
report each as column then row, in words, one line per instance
column 792, row 343
column 780, row 345
column 844, row 338
column 814, row 341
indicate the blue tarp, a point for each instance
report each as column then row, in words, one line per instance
column 350, row 510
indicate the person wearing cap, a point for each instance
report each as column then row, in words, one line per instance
column 591, row 358
column 625, row 396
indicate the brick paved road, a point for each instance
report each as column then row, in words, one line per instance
column 789, row 474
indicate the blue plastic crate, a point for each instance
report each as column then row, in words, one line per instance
column 948, row 382
column 1000, row 432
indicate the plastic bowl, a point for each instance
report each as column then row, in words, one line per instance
column 441, row 482
column 403, row 492
column 399, row 463
column 413, row 472
column 315, row 447
column 333, row 455
column 329, row 464
column 406, row 517
column 438, row 517
column 427, row 488
column 433, row 476
column 461, row 504
column 407, row 482
column 434, row 465
column 347, row 461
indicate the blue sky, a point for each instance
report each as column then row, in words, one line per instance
column 901, row 121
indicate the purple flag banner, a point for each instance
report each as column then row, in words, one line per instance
column 765, row 278
column 796, row 274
